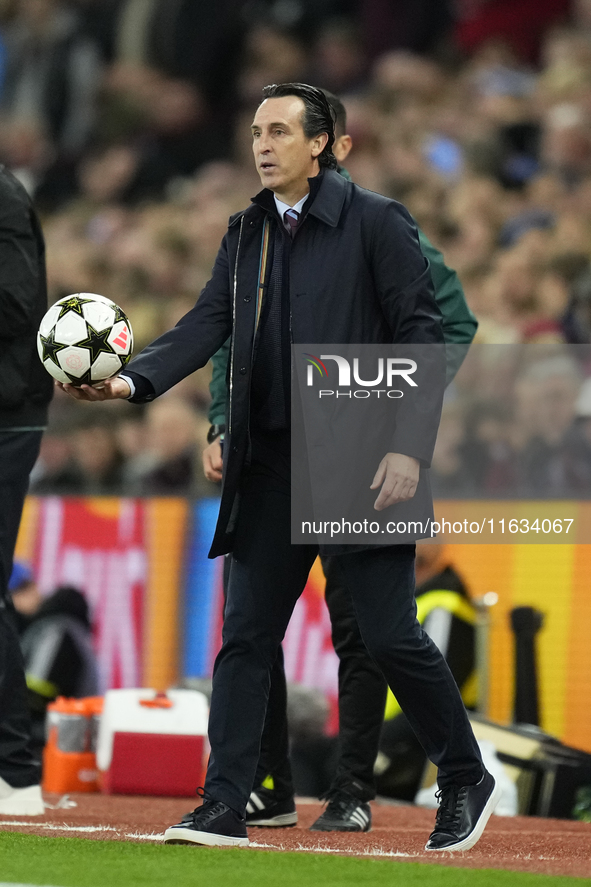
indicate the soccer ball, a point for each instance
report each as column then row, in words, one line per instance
column 84, row 338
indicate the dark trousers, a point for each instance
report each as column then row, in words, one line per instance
column 274, row 757
column 267, row 576
column 362, row 691
column 18, row 452
column 362, row 699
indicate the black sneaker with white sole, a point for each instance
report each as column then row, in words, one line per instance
column 214, row 824
column 268, row 808
column 344, row 813
column 463, row 813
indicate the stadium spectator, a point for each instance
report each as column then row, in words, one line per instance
column 97, row 459
column 168, row 467
column 550, row 387
column 419, row 27
column 521, row 24
column 272, row 55
column 52, row 73
column 449, row 476
column 54, row 473
column 578, row 444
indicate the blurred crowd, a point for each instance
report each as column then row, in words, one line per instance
column 128, row 120
column 516, row 423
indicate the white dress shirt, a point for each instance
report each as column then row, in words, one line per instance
column 283, row 207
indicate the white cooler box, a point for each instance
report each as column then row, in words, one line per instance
column 152, row 744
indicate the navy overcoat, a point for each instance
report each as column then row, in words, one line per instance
column 357, row 275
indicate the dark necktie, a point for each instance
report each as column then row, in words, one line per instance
column 292, row 217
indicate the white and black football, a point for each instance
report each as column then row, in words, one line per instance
column 84, row 338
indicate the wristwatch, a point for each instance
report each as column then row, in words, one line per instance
column 214, row 432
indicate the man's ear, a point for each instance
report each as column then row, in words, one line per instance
column 342, row 148
column 319, row 143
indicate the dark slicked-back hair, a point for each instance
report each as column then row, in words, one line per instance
column 339, row 112
column 318, row 115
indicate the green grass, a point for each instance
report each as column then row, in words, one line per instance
column 76, row 862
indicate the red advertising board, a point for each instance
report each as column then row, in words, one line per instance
column 111, row 549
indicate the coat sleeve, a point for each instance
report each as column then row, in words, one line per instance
column 20, row 267
column 196, row 337
column 403, row 279
column 218, row 387
column 405, row 289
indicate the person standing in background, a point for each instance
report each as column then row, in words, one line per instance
column 24, row 400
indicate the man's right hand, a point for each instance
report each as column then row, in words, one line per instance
column 111, row 389
column 213, row 461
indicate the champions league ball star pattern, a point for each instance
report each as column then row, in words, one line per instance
column 84, row 338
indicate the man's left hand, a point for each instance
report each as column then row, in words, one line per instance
column 213, row 461
column 398, row 475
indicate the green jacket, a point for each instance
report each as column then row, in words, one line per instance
column 459, row 327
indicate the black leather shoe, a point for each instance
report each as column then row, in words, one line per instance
column 214, row 824
column 267, row 808
column 344, row 813
column 463, row 813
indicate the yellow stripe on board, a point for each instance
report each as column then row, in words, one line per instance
column 166, row 521
column 27, row 534
column 577, row 725
column 543, row 579
column 316, row 578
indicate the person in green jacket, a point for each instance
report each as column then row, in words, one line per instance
column 362, row 687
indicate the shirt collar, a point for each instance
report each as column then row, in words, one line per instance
column 328, row 192
column 283, row 207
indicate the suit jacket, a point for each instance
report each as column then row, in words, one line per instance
column 357, row 275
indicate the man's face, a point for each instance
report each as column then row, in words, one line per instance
column 284, row 157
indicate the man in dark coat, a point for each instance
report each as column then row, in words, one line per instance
column 362, row 689
column 346, row 267
column 24, row 398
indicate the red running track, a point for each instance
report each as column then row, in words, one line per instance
column 526, row 844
